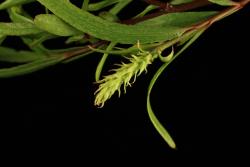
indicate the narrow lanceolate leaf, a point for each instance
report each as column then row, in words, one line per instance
column 9, row 3
column 13, row 56
column 55, row 25
column 115, row 32
column 159, row 127
column 18, row 29
column 29, row 67
column 110, row 31
column 223, row 2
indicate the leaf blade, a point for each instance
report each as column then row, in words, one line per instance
column 51, row 23
column 102, row 61
column 29, row 67
column 13, row 56
column 103, row 29
column 223, row 2
column 18, row 29
column 178, row 2
column 159, row 127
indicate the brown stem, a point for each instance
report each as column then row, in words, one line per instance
column 222, row 14
column 190, row 6
column 244, row 2
column 82, row 50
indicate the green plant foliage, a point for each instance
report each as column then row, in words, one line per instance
column 224, row 2
column 178, row 2
column 103, row 29
column 97, row 27
column 29, row 67
column 13, row 56
column 51, row 24
column 18, row 29
column 10, row 3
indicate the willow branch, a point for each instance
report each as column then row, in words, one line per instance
column 170, row 9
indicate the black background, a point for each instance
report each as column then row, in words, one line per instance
column 201, row 99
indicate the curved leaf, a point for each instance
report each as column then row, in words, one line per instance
column 17, row 14
column 9, row 3
column 159, row 127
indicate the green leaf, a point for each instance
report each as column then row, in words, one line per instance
column 178, row 2
column 77, row 39
column 108, row 16
column 223, row 2
column 18, row 29
column 110, row 31
column 85, row 4
column 159, row 127
column 102, row 61
column 119, row 6
column 29, row 67
column 102, row 4
column 13, row 56
column 115, row 32
column 182, row 19
column 9, row 3
column 2, row 38
column 16, row 14
column 167, row 58
column 55, row 25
